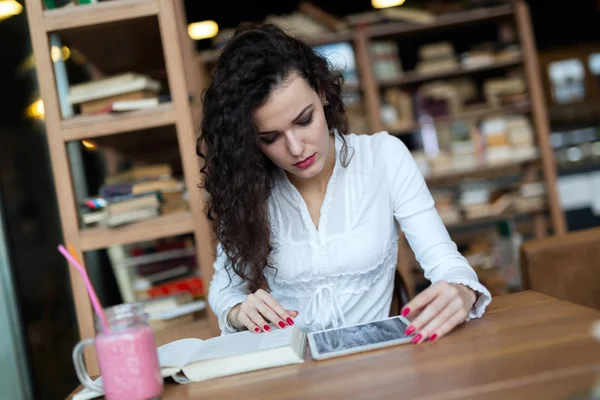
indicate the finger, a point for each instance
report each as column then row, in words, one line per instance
column 282, row 316
column 250, row 310
column 430, row 330
column 271, row 315
column 293, row 313
column 248, row 323
column 429, row 313
column 458, row 318
column 421, row 300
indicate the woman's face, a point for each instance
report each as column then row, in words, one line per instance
column 292, row 128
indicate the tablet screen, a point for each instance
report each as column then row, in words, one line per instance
column 351, row 337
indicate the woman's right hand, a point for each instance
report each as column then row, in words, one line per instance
column 258, row 308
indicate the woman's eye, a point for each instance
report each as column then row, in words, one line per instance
column 306, row 121
column 269, row 139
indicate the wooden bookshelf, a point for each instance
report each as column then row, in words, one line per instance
column 101, row 13
column 415, row 78
column 93, row 126
column 518, row 13
column 144, row 36
column 156, row 228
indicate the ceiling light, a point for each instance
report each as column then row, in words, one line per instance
column 203, row 30
column 9, row 8
column 386, row 3
column 36, row 110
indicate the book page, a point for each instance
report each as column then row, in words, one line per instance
column 244, row 342
column 180, row 352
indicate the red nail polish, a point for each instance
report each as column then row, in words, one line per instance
column 256, row 330
column 410, row 330
column 432, row 337
column 405, row 312
column 281, row 324
column 417, row 338
column 267, row 328
column 290, row 321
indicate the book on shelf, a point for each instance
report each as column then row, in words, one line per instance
column 155, row 269
column 176, row 308
column 192, row 284
column 385, row 60
column 95, row 96
column 137, row 194
column 194, row 360
column 392, row 14
column 139, row 173
column 127, row 102
column 436, row 57
column 140, row 187
column 132, row 105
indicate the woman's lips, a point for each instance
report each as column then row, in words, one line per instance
column 307, row 162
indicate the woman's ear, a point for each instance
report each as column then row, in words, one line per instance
column 324, row 100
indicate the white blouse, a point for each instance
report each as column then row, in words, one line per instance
column 343, row 272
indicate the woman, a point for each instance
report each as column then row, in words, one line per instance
column 305, row 213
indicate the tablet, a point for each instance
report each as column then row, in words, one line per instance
column 356, row 338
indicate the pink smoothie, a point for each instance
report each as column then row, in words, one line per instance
column 129, row 364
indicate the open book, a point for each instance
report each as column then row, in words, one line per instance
column 196, row 360
column 193, row 360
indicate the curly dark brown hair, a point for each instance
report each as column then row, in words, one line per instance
column 237, row 175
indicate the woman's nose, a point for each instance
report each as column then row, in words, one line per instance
column 294, row 143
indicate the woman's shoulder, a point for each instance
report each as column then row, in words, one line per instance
column 380, row 145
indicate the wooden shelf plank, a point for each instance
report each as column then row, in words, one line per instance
column 444, row 21
column 329, row 37
column 499, row 169
column 493, row 219
column 517, row 108
column 100, row 13
column 92, row 126
column 160, row 227
column 211, row 56
column 412, row 78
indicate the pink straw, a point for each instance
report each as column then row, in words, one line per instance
column 88, row 286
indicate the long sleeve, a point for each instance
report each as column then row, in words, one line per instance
column 415, row 212
column 225, row 291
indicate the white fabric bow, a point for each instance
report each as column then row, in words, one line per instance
column 323, row 309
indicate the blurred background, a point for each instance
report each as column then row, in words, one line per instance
column 438, row 90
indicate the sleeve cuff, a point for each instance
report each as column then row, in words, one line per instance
column 483, row 299
column 224, row 324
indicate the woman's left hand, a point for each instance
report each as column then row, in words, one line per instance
column 438, row 309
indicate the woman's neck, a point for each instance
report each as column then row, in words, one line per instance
column 317, row 183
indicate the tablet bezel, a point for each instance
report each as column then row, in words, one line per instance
column 316, row 355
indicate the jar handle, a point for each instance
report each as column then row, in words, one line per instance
column 80, row 369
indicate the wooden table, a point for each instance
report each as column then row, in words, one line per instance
column 527, row 346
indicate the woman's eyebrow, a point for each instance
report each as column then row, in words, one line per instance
column 295, row 120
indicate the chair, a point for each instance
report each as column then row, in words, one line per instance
column 566, row 267
column 400, row 295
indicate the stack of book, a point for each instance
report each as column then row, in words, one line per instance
column 136, row 195
column 436, row 57
column 162, row 274
column 123, row 92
